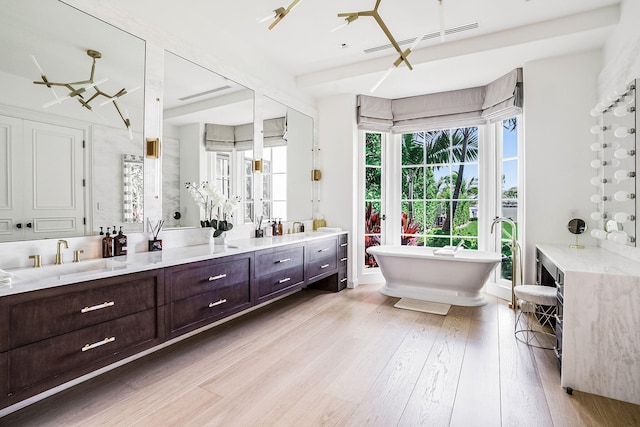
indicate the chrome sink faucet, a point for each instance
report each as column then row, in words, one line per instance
column 296, row 226
column 58, row 254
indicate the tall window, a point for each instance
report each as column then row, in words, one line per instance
column 509, row 190
column 373, row 195
column 440, row 188
column 274, row 181
column 223, row 173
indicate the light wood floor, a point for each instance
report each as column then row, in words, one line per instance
column 344, row 359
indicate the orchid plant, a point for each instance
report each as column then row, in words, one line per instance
column 218, row 209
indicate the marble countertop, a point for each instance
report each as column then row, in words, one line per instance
column 590, row 259
column 32, row 279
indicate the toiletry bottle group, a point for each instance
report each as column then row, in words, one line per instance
column 113, row 246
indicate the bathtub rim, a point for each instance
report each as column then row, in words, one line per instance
column 462, row 255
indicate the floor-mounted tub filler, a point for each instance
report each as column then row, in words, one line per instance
column 432, row 279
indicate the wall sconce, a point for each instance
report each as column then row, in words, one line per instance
column 597, row 216
column 597, row 198
column 257, row 165
column 316, row 175
column 153, row 148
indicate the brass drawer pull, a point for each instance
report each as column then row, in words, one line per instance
column 98, row 307
column 343, row 259
column 324, row 266
column 343, row 245
column 284, row 260
column 213, row 304
column 219, row 276
column 323, row 250
column 286, row 279
column 98, row 344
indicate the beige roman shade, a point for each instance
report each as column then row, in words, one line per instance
column 219, row 137
column 498, row 100
column 374, row 113
column 240, row 137
column 503, row 98
column 275, row 132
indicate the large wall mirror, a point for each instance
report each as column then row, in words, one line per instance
column 62, row 138
column 287, row 164
column 207, row 137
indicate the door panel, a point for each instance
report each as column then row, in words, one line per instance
column 54, row 169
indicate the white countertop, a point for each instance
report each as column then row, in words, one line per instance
column 48, row 276
column 590, row 259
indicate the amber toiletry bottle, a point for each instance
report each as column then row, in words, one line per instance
column 279, row 228
column 120, row 244
column 107, row 245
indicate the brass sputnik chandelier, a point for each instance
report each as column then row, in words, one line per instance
column 78, row 89
column 349, row 17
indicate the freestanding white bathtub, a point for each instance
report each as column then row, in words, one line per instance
column 415, row 272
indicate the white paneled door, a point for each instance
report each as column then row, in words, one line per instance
column 42, row 188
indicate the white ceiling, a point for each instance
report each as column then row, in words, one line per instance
column 509, row 33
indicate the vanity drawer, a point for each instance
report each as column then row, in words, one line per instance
column 192, row 279
column 53, row 361
column 48, row 313
column 279, row 282
column 270, row 261
column 321, row 250
column 322, row 259
column 196, row 311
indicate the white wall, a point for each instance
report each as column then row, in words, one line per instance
column 338, row 195
column 558, row 94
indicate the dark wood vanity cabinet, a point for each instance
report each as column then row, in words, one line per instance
column 61, row 333
column 278, row 271
column 205, row 291
column 343, row 260
column 51, row 336
column 326, row 263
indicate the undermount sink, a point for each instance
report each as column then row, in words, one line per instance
column 73, row 268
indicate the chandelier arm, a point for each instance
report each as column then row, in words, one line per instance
column 395, row 44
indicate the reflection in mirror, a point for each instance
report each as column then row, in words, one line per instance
column 65, row 137
column 207, row 136
column 132, row 188
column 576, row 226
column 287, row 163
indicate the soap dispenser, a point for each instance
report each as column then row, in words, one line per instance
column 120, row 244
column 107, row 245
column 279, row 227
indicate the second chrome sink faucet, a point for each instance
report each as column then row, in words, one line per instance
column 58, row 254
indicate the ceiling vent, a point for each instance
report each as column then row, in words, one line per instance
column 429, row 36
column 208, row 92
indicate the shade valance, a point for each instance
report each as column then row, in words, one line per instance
column 499, row 99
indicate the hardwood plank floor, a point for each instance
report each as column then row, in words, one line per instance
column 339, row 359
